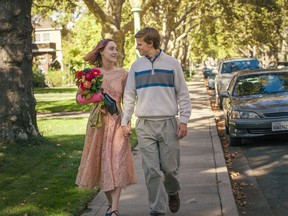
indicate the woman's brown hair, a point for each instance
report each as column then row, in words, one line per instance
column 94, row 56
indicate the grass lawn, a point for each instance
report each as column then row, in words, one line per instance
column 37, row 177
column 51, row 100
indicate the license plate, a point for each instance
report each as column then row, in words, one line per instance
column 280, row 126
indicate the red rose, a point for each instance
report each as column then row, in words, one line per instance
column 82, row 87
column 89, row 76
column 87, row 84
column 79, row 74
column 95, row 72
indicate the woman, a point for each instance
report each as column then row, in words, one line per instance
column 107, row 160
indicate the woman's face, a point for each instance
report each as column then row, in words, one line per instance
column 110, row 52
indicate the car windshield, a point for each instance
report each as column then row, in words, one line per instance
column 268, row 83
column 229, row 67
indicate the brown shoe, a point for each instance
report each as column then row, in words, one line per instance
column 174, row 202
column 157, row 214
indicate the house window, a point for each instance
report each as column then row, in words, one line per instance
column 37, row 37
column 46, row 37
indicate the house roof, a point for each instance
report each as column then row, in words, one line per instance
column 44, row 23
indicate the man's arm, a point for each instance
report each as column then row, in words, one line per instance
column 129, row 99
column 183, row 96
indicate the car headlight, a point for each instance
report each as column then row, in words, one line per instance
column 244, row 115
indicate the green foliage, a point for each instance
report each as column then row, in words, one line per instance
column 62, row 11
column 58, row 78
column 191, row 30
column 54, row 78
column 38, row 178
column 77, row 43
column 54, row 100
column 188, row 74
column 130, row 50
column 38, row 77
column 247, row 24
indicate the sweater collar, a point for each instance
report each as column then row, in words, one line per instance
column 153, row 59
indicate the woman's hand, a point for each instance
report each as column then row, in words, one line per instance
column 126, row 130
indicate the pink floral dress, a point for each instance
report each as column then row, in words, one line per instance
column 107, row 160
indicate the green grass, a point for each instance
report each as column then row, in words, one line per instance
column 51, row 100
column 38, row 177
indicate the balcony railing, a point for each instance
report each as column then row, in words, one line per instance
column 43, row 47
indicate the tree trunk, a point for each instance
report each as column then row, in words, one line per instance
column 17, row 102
column 117, row 36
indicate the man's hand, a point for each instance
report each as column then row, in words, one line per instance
column 126, row 130
column 182, row 130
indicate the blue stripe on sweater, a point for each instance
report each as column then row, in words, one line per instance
column 163, row 71
column 143, row 72
column 154, row 84
column 138, row 73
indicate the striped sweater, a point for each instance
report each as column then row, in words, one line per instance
column 158, row 88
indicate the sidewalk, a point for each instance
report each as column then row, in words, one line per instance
column 206, row 188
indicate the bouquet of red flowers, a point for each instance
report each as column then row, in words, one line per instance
column 90, row 81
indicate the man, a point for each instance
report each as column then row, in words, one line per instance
column 157, row 86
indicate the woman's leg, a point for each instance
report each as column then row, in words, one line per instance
column 115, row 197
column 109, row 198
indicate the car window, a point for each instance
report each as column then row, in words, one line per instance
column 231, row 85
column 232, row 66
column 261, row 84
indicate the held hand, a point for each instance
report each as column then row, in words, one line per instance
column 182, row 130
column 126, row 130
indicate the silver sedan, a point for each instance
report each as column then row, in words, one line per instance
column 256, row 104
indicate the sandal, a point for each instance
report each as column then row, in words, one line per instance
column 114, row 213
column 107, row 211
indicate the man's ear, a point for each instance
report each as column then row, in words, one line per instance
column 150, row 43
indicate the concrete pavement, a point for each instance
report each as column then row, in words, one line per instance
column 206, row 188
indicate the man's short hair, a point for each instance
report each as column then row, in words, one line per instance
column 150, row 35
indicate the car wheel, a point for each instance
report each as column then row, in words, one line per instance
column 235, row 141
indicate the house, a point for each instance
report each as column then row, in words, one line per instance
column 46, row 46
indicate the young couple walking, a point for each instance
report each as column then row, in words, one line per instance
column 156, row 88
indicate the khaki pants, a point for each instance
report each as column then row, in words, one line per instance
column 159, row 147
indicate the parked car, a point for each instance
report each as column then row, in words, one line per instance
column 278, row 65
column 211, row 80
column 226, row 70
column 206, row 72
column 281, row 65
column 256, row 104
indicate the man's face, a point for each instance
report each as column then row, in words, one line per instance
column 143, row 47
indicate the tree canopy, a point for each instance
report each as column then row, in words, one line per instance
column 191, row 30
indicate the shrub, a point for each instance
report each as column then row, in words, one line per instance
column 188, row 74
column 57, row 78
column 38, row 77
